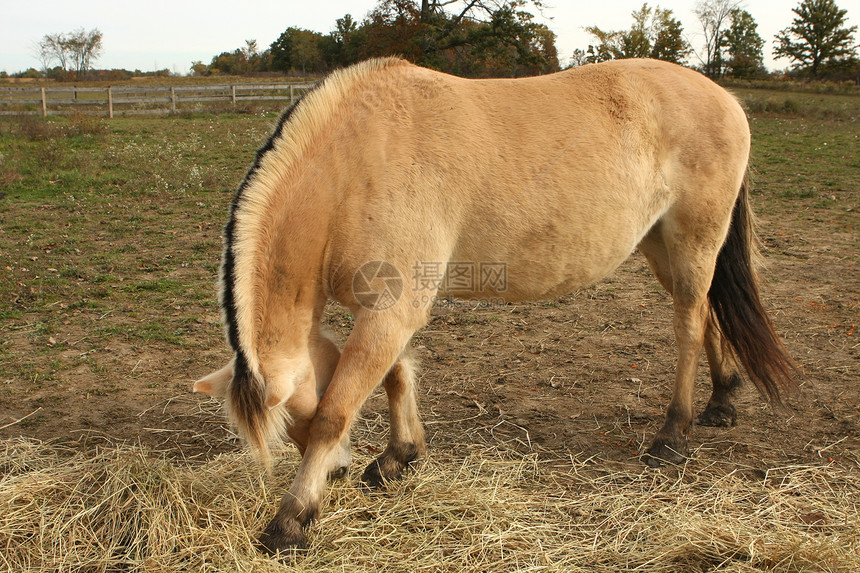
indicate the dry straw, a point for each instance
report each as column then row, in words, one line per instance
column 469, row 508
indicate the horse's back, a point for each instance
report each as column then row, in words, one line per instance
column 559, row 177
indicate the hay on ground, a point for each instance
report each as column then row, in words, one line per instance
column 129, row 508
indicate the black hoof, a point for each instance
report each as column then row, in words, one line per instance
column 389, row 466
column 664, row 452
column 372, row 476
column 284, row 540
column 720, row 416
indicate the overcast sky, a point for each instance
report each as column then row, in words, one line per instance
column 160, row 34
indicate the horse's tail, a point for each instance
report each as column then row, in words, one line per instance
column 736, row 304
column 258, row 425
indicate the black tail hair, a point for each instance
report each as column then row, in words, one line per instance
column 247, row 409
column 737, row 307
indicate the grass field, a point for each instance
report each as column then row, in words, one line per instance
column 109, row 249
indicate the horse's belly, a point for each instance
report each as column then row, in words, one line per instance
column 533, row 270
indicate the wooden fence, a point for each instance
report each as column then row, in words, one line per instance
column 128, row 100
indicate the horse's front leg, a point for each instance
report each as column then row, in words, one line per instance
column 374, row 344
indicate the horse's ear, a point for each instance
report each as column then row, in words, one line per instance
column 216, row 383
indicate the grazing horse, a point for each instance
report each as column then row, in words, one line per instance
column 389, row 185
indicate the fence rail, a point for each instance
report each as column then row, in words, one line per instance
column 132, row 100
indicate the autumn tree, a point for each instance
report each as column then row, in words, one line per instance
column 75, row 51
column 394, row 28
column 714, row 17
column 250, row 56
column 85, row 47
column 241, row 61
column 467, row 37
column 51, row 49
column 817, row 37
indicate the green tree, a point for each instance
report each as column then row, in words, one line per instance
column 509, row 42
column 668, row 39
column 579, row 58
column 743, row 46
column 655, row 34
column 305, row 53
column 297, row 49
column 340, row 47
column 817, row 36
column 281, row 50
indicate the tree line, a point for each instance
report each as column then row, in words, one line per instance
column 488, row 38
column 483, row 38
column 464, row 37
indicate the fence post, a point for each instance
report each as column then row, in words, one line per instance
column 110, row 103
column 173, row 98
column 291, row 94
column 44, row 104
column 233, row 88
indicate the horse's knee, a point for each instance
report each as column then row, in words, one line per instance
column 396, row 381
column 329, row 425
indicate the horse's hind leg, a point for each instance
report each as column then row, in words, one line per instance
column 685, row 270
column 724, row 373
column 406, row 442
column 726, row 380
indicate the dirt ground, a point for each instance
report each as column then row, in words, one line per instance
column 589, row 372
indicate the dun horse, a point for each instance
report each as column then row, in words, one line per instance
column 387, row 176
